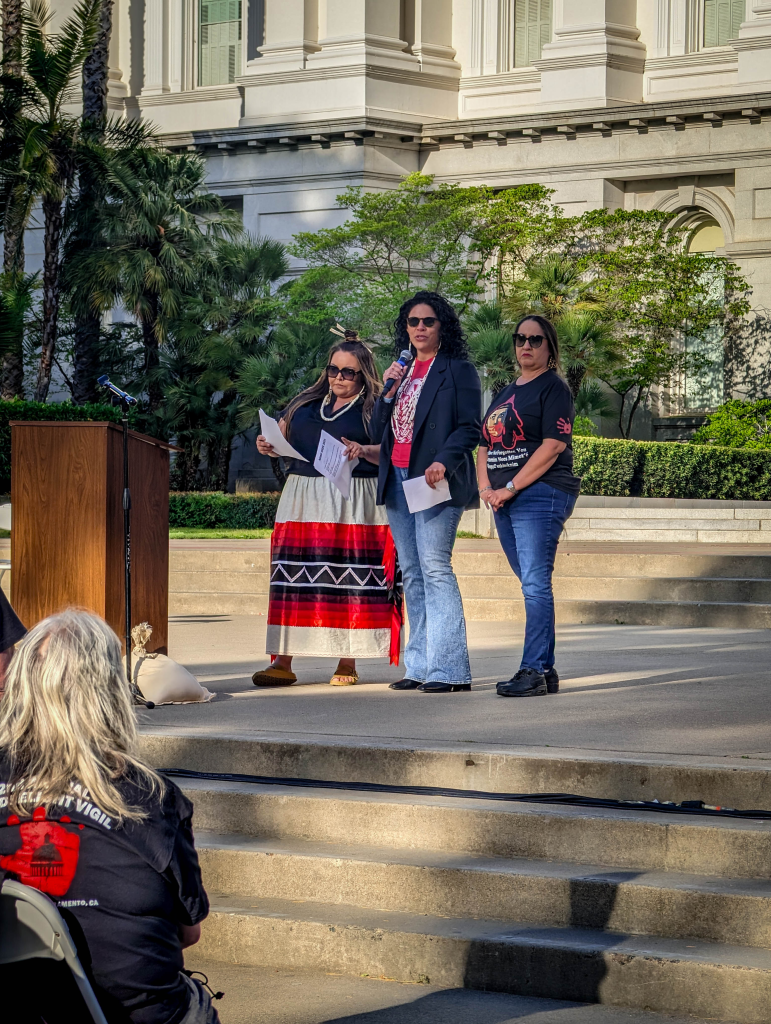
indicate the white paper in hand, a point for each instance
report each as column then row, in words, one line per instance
column 271, row 431
column 331, row 462
column 420, row 496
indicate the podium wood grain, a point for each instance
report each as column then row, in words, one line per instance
column 67, row 543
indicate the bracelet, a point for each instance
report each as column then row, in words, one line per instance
column 488, row 488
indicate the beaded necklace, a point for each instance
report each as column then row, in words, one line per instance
column 345, row 408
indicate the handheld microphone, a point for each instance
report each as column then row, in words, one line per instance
column 405, row 358
column 105, row 382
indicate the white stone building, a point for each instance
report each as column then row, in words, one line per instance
column 653, row 104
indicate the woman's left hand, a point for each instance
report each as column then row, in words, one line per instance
column 497, row 499
column 435, row 473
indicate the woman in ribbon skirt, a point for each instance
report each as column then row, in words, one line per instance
column 333, row 563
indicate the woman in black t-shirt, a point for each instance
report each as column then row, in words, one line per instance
column 333, row 561
column 85, row 821
column 525, row 472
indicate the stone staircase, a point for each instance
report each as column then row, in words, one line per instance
column 649, row 584
column 621, row 907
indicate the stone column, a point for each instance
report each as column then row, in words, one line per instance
column 595, row 58
column 117, row 88
column 429, row 32
column 754, row 46
column 156, row 47
column 291, row 34
column 351, row 29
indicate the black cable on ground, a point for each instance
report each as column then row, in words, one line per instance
column 665, row 806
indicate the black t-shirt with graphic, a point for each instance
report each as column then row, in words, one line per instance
column 128, row 886
column 519, row 419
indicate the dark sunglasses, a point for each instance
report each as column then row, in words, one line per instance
column 345, row 372
column 535, row 341
column 429, row 321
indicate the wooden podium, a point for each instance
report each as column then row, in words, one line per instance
column 67, row 544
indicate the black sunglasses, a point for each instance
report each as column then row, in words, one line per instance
column 429, row 321
column 345, row 372
column 535, row 341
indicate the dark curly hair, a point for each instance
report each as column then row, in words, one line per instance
column 451, row 336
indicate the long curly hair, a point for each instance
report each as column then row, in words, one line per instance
column 370, row 381
column 551, row 340
column 451, row 336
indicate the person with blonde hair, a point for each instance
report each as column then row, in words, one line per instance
column 86, row 821
column 333, row 560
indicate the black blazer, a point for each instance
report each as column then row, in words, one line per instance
column 447, row 429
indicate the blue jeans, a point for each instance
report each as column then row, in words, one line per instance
column 529, row 529
column 436, row 651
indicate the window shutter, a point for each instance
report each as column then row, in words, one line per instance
column 722, row 19
column 219, row 59
column 532, row 28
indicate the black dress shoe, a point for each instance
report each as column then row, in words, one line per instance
column 552, row 680
column 525, row 683
column 405, row 684
column 444, row 687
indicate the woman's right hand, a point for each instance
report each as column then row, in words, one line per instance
column 263, row 447
column 394, row 372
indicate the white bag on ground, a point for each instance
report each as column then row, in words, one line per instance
column 160, row 679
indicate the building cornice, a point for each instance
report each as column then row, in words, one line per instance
column 308, row 75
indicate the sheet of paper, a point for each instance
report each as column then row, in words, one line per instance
column 332, row 463
column 420, row 496
column 271, row 431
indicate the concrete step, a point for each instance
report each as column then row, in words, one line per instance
column 442, row 884
column 629, row 613
column 220, row 581
column 292, row 995
column 668, row 975
column 632, row 563
column 715, row 590
column 619, row 839
column 207, row 602
column 728, row 782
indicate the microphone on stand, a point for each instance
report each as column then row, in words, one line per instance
column 105, row 382
column 405, row 358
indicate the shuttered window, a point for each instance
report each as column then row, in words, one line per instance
column 722, row 19
column 532, row 28
column 219, row 48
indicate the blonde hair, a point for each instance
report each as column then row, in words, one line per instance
column 67, row 718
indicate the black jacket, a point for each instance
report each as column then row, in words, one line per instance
column 447, row 429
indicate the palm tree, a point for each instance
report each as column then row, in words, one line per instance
column 549, row 288
column 96, row 69
column 48, row 138
column 13, row 231
column 155, row 238
column 16, row 291
column 586, row 345
column 491, row 345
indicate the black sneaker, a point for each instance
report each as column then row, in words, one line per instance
column 405, row 684
column 552, row 680
column 525, row 683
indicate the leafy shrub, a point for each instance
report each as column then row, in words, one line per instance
column 609, row 468
column 44, row 411
column 738, row 425
column 584, row 426
column 668, row 469
column 213, row 509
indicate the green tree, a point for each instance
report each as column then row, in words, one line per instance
column 738, row 424
column 443, row 237
column 549, row 287
column 491, row 345
column 587, row 346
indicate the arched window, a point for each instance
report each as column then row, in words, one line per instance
column 532, row 28
column 219, row 41
column 722, row 19
column 705, row 390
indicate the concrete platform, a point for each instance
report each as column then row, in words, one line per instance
column 626, row 690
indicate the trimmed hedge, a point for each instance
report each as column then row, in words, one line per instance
column 668, row 469
column 215, row 510
column 19, row 410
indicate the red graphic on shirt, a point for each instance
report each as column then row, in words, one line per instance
column 504, row 426
column 48, row 856
column 564, row 426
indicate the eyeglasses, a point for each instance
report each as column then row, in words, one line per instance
column 429, row 321
column 345, row 372
column 536, row 340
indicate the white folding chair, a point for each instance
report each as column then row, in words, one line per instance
column 32, row 927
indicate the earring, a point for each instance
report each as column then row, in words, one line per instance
column 551, row 365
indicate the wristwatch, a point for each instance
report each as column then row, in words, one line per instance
column 511, row 488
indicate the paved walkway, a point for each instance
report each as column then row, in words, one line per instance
column 625, row 689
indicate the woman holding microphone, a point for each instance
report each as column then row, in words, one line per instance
column 427, row 424
column 332, row 572
column 525, row 469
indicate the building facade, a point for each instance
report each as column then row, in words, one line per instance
column 633, row 104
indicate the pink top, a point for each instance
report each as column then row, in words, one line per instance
column 404, row 412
